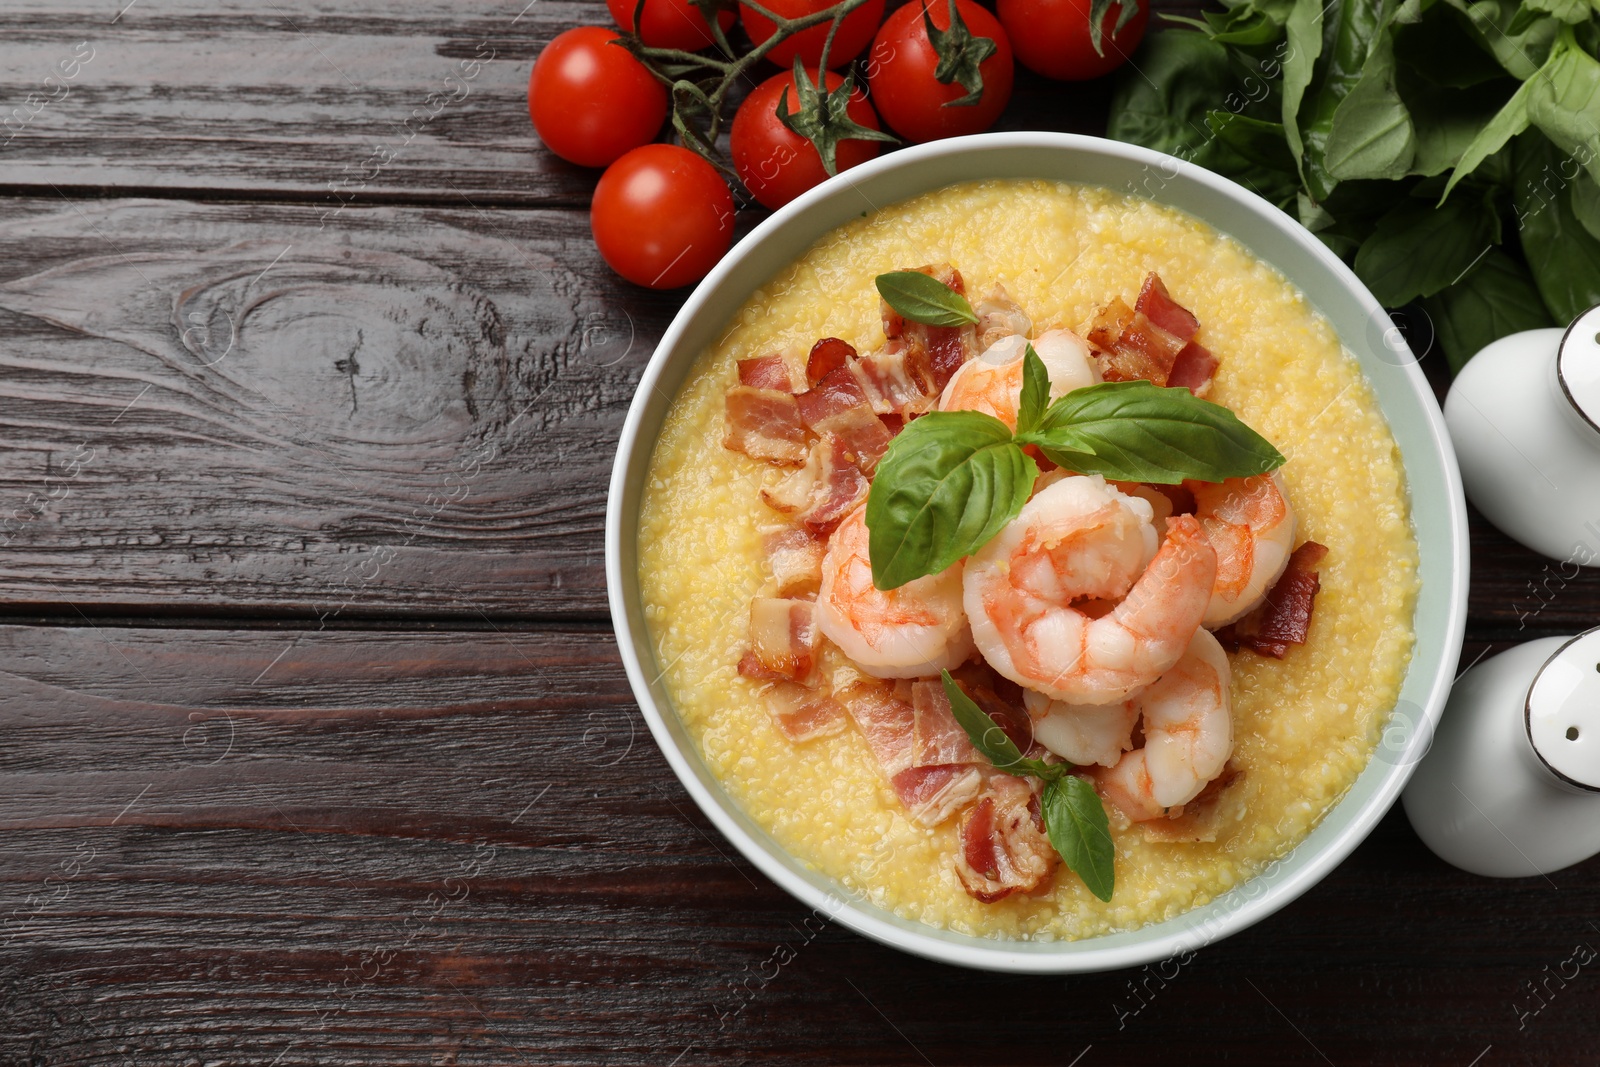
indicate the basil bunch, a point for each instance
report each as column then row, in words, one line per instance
column 1074, row 818
column 1466, row 128
column 951, row 480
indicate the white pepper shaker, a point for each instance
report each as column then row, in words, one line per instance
column 1511, row 786
column 1524, row 415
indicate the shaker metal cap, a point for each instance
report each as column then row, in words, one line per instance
column 1578, row 365
column 1564, row 712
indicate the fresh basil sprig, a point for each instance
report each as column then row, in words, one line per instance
column 921, row 298
column 951, row 480
column 1074, row 818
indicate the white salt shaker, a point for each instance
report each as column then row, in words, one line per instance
column 1524, row 415
column 1511, row 786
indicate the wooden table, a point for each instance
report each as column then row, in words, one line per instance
column 316, row 745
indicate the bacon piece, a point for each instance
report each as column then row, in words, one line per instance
column 827, row 356
column 1131, row 346
column 1159, row 307
column 839, row 487
column 933, row 794
column 860, row 435
column 899, row 378
column 803, row 714
column 796, row 561
column 838, row 391
column 783, row 639
column 887, row 723
column 1004, row 848
column 1001, row 700
column 946, row 347
column 936, row 737
column 1285, row 618
column 765, row 424
column 1193, row 369
column 766, row 372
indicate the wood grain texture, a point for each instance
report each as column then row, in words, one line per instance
column 279, row 847
column 248, row 407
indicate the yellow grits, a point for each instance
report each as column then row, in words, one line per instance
column 1304, row 726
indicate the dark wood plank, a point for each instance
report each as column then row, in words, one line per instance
column 245, row 407
column 353, row 103
column 279, row 847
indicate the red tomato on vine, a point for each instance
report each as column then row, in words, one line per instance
column 590, row 100
column 662, row 216
column 936, row 76
column 855, row 31
column 670, row 23
column 1055, row 38
column 777, row 163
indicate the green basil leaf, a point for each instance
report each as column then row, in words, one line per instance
column 1562, row 255
column 1303, row 40
column 1256, row 140
column 1371, row 135
column 1586, row 205
column 1446, row 50
column 924, row 299
column 1448, row 118
column 1570, row 11
column 1565, row 102
column 949, row 482
column 1521, row 50
column 1162, row 98
column 1495, row 299
column 989, row 738
column 1510, row 120
column 1139, row 432
column 1075, row 819
column 1454, row 236
column 1035, row 391
column 1347, row 44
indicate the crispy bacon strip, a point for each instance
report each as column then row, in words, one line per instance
column 827, row 356
column 1285, row 618
column 899, row 379
column 1159, row 307
column 860, row 435
column 766, row 372
column 933, row 794
column 936, row 737
column 838, row 391
column 1153, row 340
column 887, row 723
column 783, row 640
column 796, row 561
column 765, row 424
column 1004, row 849
column 839, row 487
column 803, row 714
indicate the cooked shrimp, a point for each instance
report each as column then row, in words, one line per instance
column 1034, row 592
column 1250, row 524
column 992, row 383
column 1000, row 316
column 1082, row 733
column 910, row 632
column 1188, row 736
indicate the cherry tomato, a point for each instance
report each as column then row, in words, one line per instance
column 855, row 32
column 901, row 66
column 670, row 23
column 591, row 101
column 662, row 216
column 775, row 163
column 1051, row 37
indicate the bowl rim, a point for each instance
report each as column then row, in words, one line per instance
column 991, row 953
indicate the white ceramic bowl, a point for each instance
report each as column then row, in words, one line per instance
column 1438, row 514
